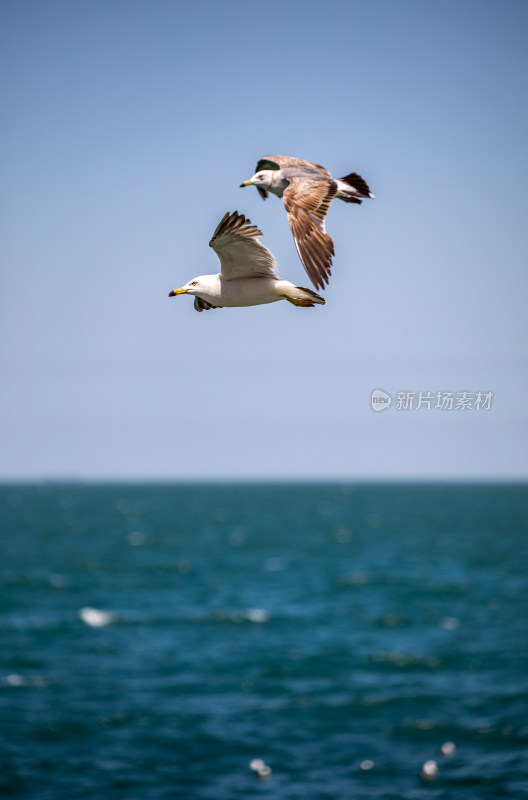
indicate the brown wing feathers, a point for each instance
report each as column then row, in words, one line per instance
column 315, row 249
column 307, row 206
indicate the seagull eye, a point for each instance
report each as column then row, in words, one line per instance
column 194, row 283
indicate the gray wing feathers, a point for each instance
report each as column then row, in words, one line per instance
column 279, row 162
column 241, row 255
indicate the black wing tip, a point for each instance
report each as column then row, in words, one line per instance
column 233, row 221
column 220, row 227
column 358, row 183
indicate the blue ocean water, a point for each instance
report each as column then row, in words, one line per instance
column 158, row 638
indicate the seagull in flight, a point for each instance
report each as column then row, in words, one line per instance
column 248, row 272
column 308, row 189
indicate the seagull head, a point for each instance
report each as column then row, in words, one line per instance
column 191, row 287
column 264, row 178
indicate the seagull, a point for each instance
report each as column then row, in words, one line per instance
column 308, row 190
column 248, row 272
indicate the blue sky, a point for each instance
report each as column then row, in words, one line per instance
column 128, row 127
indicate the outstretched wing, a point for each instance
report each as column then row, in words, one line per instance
column 235, row 241
column 279, row 162
column 307, row 201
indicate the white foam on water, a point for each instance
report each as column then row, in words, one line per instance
column 96, row 618
column 429, row 771
column 257, row 615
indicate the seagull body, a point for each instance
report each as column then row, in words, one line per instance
column 308, row 189
column 217, row 292
column 248, row 273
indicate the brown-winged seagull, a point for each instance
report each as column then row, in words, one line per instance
column 248, row 272
column 308, row 189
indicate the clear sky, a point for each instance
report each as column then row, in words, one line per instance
column 127, row 128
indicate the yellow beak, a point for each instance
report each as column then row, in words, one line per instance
column 177, row 291
column 246, row 183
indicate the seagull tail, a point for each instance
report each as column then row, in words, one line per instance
column 352, row 188
column 299, row 296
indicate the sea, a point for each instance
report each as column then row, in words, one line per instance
column 241, row 641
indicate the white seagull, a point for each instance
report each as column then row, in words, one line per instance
column 248, row 272
column 308, row 190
